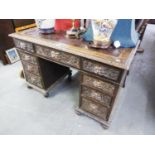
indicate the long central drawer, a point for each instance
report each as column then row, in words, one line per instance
column 58, row 56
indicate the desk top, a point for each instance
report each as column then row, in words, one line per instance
column 120, row 58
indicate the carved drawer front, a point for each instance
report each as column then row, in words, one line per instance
column 70, row 60
column 97, row 96
column 28, row 58
column 33, row 79
column 99, row 84
column 58, row 56
column 31, row 68
column 94, row 108
column 101, row 69
column 43, row 51
column 24, row 45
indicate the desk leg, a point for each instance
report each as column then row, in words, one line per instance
column 29, row 87
column 70, row 75
column 140, row 50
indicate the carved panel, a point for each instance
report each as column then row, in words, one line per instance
column 42, row 51
column 94, row 108
column 65, row 58
column 33, row 79
column 24, row 45
column 70, row 60
column 96, row 95
column 99, row 84
column 31, row 68
column 27, row 57
column 101, row 69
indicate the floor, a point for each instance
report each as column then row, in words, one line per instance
column 26, row 111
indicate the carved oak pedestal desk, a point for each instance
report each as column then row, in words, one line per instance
column 47, row 58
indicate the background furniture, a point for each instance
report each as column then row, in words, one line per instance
column 47, row 58
column 141, row 26
column 8, row 26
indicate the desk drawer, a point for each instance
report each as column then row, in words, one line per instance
column 58, row 56
column 33, row 79
column 27, row 57
column 101, row 69
column 31, row 68
column 43, row 51
column 94, row 108
column 24, row 45
column 99, row 84
column 96, row 96
column 70, row 60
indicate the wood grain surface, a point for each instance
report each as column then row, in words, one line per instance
column 120, row 58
